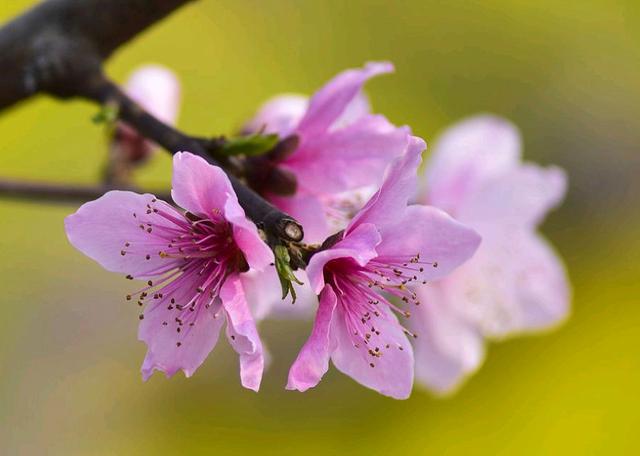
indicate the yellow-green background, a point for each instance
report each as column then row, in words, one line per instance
column 568, row 73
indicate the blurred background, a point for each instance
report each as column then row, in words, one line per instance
column 568, row 73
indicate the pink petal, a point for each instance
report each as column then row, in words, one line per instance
column 204, row 189
column 360, row 153
column 543, row 286
column 360, row 245
column 388, row 204
column 514, row 283
column 264, row 295
column 198, row 186
column 279, row 115
column 357, row 108
column 308, row 210
column 330, row 102
column 101, row 229
column 242, row 333
column 255, row 250
column 392, row 374
column 448, row 348
column 157, row 90
column 518, row 198
column 466, row 155
column 196, row 342
column 313, row 360
column 442, row 242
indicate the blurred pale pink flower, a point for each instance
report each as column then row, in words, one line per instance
column 264, row 295
column 157, row 90
column 193, row 261
column 515, row 282
column 342, row 148
column 385, row 248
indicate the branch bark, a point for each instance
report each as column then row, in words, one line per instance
column 274, row 222
column 59, row 193
column 58, row 42
column 58, row 48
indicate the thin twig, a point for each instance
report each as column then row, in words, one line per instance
column 60, row 193
column 58, row 48
column 275, row 223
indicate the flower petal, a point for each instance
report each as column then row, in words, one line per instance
column 264, row 295
column 157, row 90
column 447, row 348
column 255, row 250
column 467, row 154
column 515, row 283
column 442, row 242
column 313, row 360
column 388, row 204
column 330, row 102
column 279, row 115
column 392, row 371
column 242, row 333
column 198, row 186
column 359, row 152
column 357, row 108
column 159, row 330
column 101, row 229
column 543, row 286
column 516, row 199
column 360, row 245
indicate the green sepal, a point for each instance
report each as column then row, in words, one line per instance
column 285, row 273
column 107, row 115
column 249, row 145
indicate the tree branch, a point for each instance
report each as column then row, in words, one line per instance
column 274, row 222
column 62, row 40
column 58, row 48
column 59, row 193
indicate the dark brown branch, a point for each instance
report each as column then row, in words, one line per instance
column 58, row 48
column 274, row 222
column 59, row 193
column 59, row 42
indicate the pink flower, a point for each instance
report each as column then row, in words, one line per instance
column 157, row 90
column 515, row 282
column 387, row 247
column 193, row 262
column 336, row 132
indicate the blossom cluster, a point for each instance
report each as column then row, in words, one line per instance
column 411, row 268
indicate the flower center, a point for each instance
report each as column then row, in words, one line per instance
column 200, row 254
column 368, row 295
